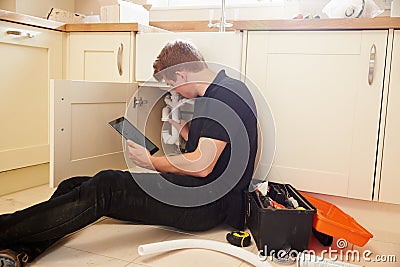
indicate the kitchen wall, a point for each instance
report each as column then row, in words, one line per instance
column 7, row 5
column 87, row 7
column 289, row 9
column 40, row 8
column 232, row 13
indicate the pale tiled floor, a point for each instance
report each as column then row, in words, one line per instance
column 110, row 242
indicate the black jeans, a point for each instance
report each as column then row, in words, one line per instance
column 80, row 201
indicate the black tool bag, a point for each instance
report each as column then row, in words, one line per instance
column 280, row 229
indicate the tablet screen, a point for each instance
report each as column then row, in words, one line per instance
column 130, row 132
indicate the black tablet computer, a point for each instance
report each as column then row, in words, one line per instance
column 130, row 132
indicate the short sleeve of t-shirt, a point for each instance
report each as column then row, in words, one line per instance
column 225, row 112
column 213, row 129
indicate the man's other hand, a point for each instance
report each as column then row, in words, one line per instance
column 139, row 155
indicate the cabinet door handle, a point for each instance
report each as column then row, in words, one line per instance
column 19, row 33
column 371, row 64
column 119, row 59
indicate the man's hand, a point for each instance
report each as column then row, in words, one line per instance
column 139, row 155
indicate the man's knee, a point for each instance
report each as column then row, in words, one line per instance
column 105, row 175
column 69, row 184
column 110, row 178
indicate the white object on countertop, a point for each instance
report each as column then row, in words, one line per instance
column 352, row 9
column 237, row 252
column 123, row 11
column 395, row 8
column 91, row 19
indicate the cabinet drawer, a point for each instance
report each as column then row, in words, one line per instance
column 27, row 35
column 100, row 56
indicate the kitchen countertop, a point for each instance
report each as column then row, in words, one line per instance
column 31, row 21
column 111, row 27
column 286, row 25
column 202, row 26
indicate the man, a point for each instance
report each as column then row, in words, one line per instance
column 211, row 176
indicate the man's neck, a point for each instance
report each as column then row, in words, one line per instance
column 202, row 80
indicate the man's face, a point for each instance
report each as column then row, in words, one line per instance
column 182, row 86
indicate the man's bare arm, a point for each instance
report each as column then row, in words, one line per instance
column 198, row 163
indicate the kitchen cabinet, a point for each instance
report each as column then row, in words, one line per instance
column 30, row 57
column 101, row 56
column 390, row 172
column 324, row 89
column 223, row 50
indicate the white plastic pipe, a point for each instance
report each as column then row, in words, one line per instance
column 237, row 252
column 168, row 138
column 172, row 106
column 165, row 113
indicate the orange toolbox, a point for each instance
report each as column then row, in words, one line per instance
column 332, row 221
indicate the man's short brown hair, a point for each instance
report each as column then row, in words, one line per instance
column 172, row 57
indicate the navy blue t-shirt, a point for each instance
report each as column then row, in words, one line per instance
column 227, row 112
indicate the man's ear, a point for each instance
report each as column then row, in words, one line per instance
column 181, row 74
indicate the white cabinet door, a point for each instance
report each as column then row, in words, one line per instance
column 100, row 56
column 221, row 48
column 390, row 174
column 82, row 142
column 326, row 112
column 29, row 58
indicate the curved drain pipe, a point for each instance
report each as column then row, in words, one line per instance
column 237, row 252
